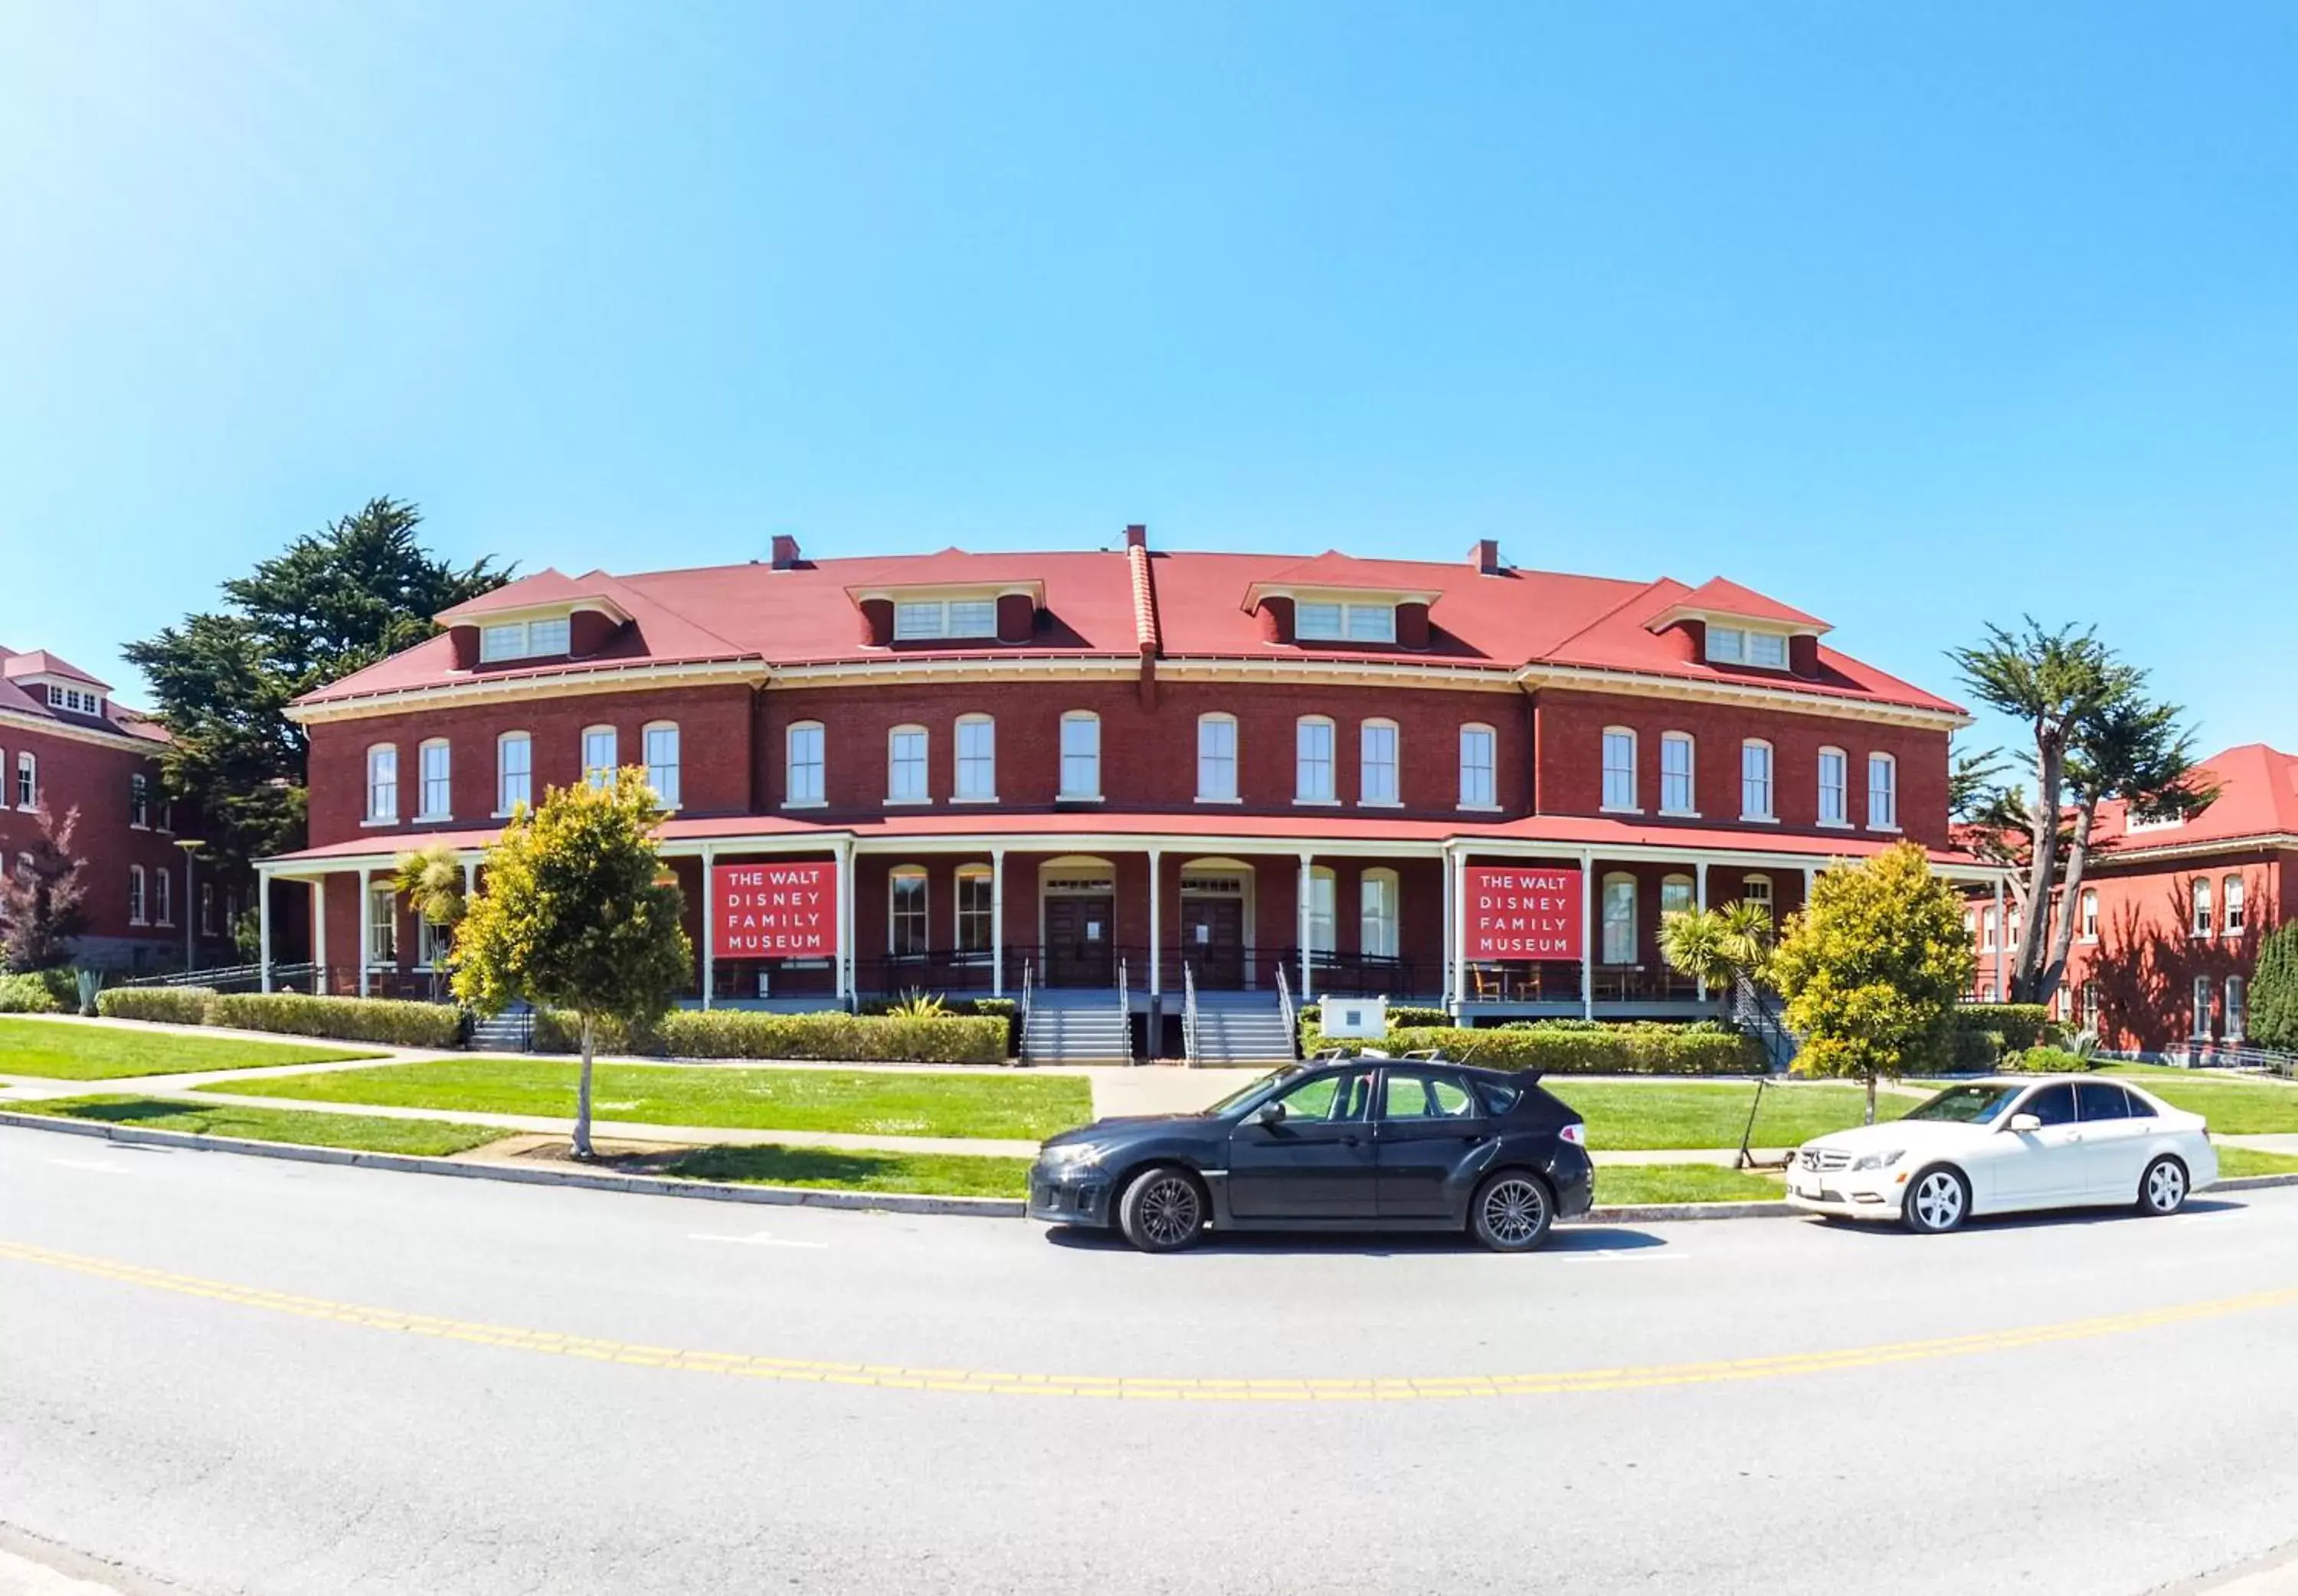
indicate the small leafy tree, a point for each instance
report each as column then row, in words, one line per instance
column 2273, row 1019
column 42, row 906
column 1717, row 946
column 1872, row 968
column 431, row 880
column 573, row 913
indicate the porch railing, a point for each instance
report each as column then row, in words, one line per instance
column 1021, row 1035
column 1125, row 1011
column 1188, row 1013
column 1284, row 1001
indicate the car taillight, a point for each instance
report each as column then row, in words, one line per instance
column 1575, row 1133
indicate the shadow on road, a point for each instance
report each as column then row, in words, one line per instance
column 2055, row 1219
column 1565, row 1239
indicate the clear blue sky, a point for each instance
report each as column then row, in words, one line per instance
column 1858, row 304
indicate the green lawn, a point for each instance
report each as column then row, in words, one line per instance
column 366, row 1134
column 2250, row 1161
column 926, row 1174
column 60, row 1050
column 1618, row 1183
column 2233, row 1108
column 2174, row 1073
column 1020, row 1106
column 1632, row 1116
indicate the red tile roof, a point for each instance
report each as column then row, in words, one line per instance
column 39, row 662
column 1729, row 599
column 2258, row 797
column 16, row 698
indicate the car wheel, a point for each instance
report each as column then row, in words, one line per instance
column 1938, row 1200
column 1163, row 1210
column 2162, row 1189
column 1512, row 1212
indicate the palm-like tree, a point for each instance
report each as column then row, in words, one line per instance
column 1716, row 946
column 432, row 882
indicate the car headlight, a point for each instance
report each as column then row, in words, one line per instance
column 1878, row 1161
column 1074, row 1154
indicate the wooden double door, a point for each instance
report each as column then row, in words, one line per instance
column 1212, row 942
column 1080, row 940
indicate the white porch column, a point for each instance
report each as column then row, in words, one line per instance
column 2001, row 926
column 709, row 924
column 1587, row 936
column 1456, row 880
column 1699, row 870
column 1810, row 877
column 365, row 925
column 1444, row 957
column 1156, row 872
column 320, row 935
column 1304, row 926
column 846, row 981
column 997, row 922
column 263, row 923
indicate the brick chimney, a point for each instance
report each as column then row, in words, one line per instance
column 1486, row 557
column 1137, row 536
column 785, row 551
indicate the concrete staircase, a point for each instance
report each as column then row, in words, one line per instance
column 1242, row 1028
column 1076, row 1028
column 510, row 1031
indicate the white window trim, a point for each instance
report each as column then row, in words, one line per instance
column 677, row 765
column 135, row 784
column 369, row 818
column 1396, row 765
column 1345, row 612
column 893, row 877
column 1603, row 921
column 1691, row 774
column 560, row 641
column 924, row 798
column 162, row 901
column 139, row 895
column 2202, row 911
column 1331, row 799
column 583, row 755
column 789, row 733
column 1892, row 825
column 1634, row 805
column 424, row 813
column 942, row 629
column 1771, row 816
column 957, row 793
column 2086, row 916
column 1493, row 768
column 1236, row 794
column 1842, row 822
column 1392, row 881
column 501, row 811
column 1064, row 795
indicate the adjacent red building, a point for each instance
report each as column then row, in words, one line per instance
column 65, row 745
column 1454, row 781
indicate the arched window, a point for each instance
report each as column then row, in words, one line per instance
column 382, row 782
column 1619, row 919
column 139, row 801
column 1676, row 791
column 976, row 906
column 2230, row 907
column 1080, row 755
column 2201, row 890
column 1756, row 780
column 977, row 759
column 905, row 912
column 432, row 767
column 1479, row 767
column 658, row 741
column 599, row 755
column 905, row 766
column 163, row 896
column 136, row 894
column 1834, row 781
column 1216, row 758
column 1678, row 895
column 1620, row 769
column 1377, row 914
column 1312, row 760
column 1322, row 916
column 514, row 772
column 1376, row 763
column 802, row 766
column 1882, row 793
column 1757, row 890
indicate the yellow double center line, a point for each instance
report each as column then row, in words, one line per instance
column 1141, row 1388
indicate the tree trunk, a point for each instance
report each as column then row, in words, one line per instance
column 582, row 1097
column 2063, row 930
column 1871, row 1100
column 2050, row 769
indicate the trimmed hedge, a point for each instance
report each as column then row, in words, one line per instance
column 2023, row 1025
column 1974, row 1051
column 2054, row 1061
column 164, row 1005
column 1399, row 1015
column 1647, row 1048
column 389, row 1020
column 26, row 994
column 829, row 1035
column 557, row 1030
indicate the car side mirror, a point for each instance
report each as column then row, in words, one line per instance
column 2024, row 1122
column 1271, row 1114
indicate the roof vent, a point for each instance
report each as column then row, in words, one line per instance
column 785, row 552
column 1486, row 557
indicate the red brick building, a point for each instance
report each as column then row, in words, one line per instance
column 2169, row 914
column 1096, row 767
column 65, row 745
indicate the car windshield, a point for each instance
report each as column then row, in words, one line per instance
column 1966, row 1106
column 1259, row 1088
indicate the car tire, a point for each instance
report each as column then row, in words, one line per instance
column 2163, row 1188
column 1937, row 1201
column 1512, row 1212
column 1163, row 1210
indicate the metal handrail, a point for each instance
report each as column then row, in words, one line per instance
column 1188, row 1013
column 1125, row 1009
column 1021, row 1039
column 1284, row 1004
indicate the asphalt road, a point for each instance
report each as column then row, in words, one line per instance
column 212, row 1372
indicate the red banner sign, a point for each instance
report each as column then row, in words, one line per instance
column 1510, row 914
column 775, row 911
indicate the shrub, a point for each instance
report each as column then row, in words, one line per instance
column 388, row 1020
column 2023, row 1025
column 736, row 1033
column 1399, row 1014
column 2052, row 1061
column 1644, row 1049
column 26, row 994
column 557, row 1030
column 1975, row 1051
column 166, row 1005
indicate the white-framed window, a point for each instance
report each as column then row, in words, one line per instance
column 905, row 765
column 803, row 784
column 433, row 942
column 1216, row 758
column 916, row 620
column 207, row 909
column 2230, row 907
column 1322, row 897
column 1743, row 645
column 2090, row 1006
column 1620, row 769
column 1834, row 781
column 2201, row 917
column 163, row 896
column 1678, row 895
column 601, row 755
column 1882, row 793
column 28, row 778
column 136, row 894
column 977, row 759
column 1619, row 919
column 381, row 925
column 2237, row 991
column 906, row 911
column 1756, row 780
column 658, row 742
column 1755, row 891
column 1377, row 913
column 1344, row 622
column 1080, row 755
column 525, row 639
column 436, row 790
column 2203, row 994
column 1989, row 928
column 383, row 783
column 2090, row 915
column 139, row 802
column 514, row 770
column 1479, row 767
column 1377, row 777
column 1677, row 793
column 2010, row 926
column 976, row 905
column 1312, row 760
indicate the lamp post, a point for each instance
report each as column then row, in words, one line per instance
column 191, row 846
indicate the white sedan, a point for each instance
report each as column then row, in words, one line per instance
column 2005, row 1144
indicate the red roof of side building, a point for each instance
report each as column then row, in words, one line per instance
column 2258, row 797
column 39, row 662
column 18, row 699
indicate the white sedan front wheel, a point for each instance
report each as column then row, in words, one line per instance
column 2164, row 1187
column 1938, row 1200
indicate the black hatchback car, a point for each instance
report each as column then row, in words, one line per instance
column 1363, row 1143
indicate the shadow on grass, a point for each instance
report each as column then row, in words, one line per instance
column 124, row 1112
column 778, row 1165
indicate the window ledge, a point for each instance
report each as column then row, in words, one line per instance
column 1620, row 809
column 1759, row 819
column 1380, row 804
column 137, row 825
column 431, row 820
column 379, row 823
column 1480, row 809
column 1835, row 825
column 1679, row 814
column 1077, row 797
column 1873, row 827
column 807, row 804
column 1309, row 803
column 915, row 803
column 964, row 798
column 1231, row 799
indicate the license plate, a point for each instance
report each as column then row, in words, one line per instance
column 1801, row 1190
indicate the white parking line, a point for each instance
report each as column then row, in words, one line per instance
column 760, row 1238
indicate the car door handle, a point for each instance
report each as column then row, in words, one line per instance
column 1350, row 1141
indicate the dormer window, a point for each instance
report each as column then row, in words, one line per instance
column 525, row 639
column 1344, row 622
column 75, row 699
column 921, row 620
column 1741, row 645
